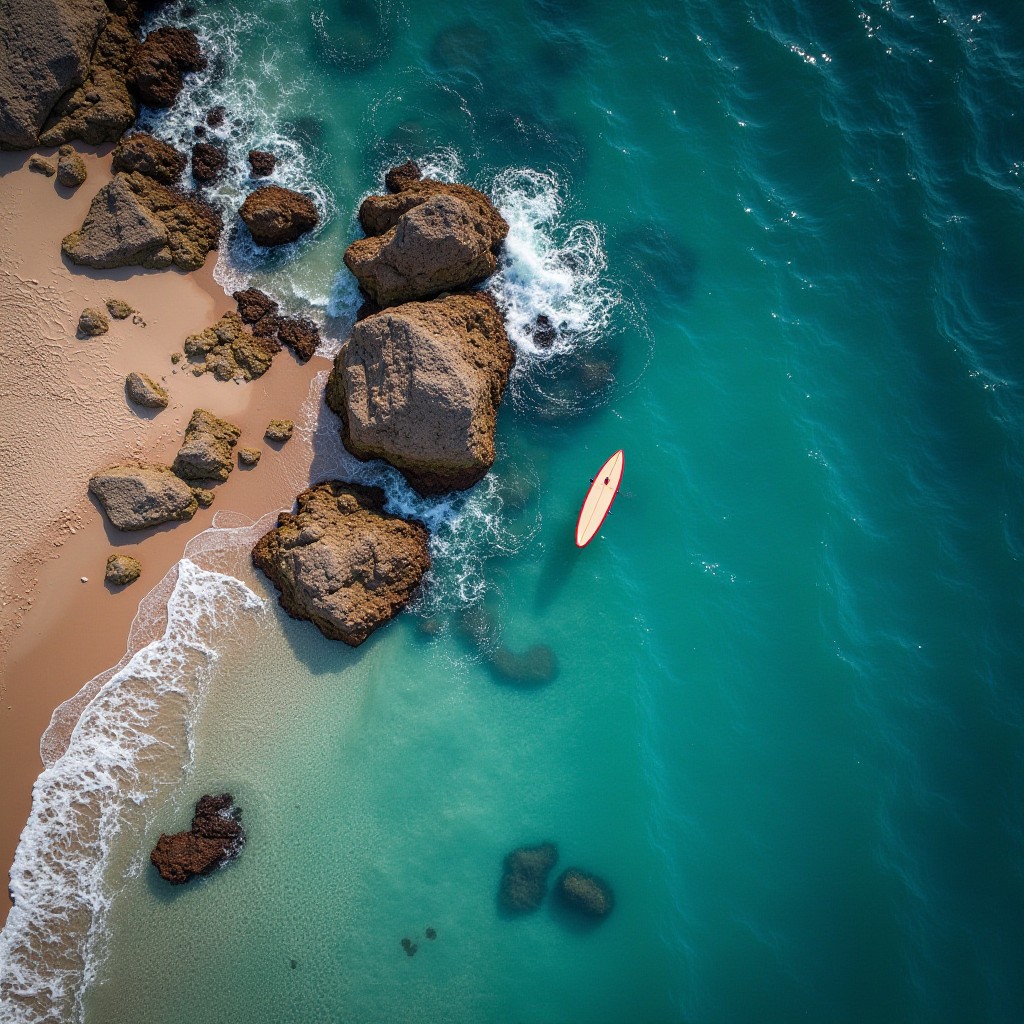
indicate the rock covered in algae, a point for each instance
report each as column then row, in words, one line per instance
column 279, row 430
column 249, row 456
column 524, row 881
column 91, row 321
column 122, row 570
column 70, row 168
column 205, row 453
column 228, row 350
column 587, row 894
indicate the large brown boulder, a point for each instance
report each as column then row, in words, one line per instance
column 135, row 221
column 420, row 386
column 276, row 215
column 159, row 63
column 101, row 108
column 205, row 453
column 139, row 494
column 437, row 246
column 149, row 156
column 143, row 390
column 45, row 50
column 342, row 562
column 229, row 351
column 216, row 837
column 524, row 880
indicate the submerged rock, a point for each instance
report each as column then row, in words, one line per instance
column 216, row 837
column 149, row 156
column 208, row 162
column 122, row 570
column 228, row 350
column 41, row 165
column 409, row 946
column 585, row 893
column 277, row 216
column 279, row 430
column 91, row 321
column 145, row 391
column 71, row 170
column 262, row 164
column 420, row 386
column 159, row 63
column 342, row 562
column 535, row 667
column 205, row 453
column 136, row 495
column 524, row 882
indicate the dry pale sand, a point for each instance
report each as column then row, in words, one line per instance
column 64, row 414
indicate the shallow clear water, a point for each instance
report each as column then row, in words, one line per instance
column 786, row 240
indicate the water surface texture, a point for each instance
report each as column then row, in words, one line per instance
column 777, row 703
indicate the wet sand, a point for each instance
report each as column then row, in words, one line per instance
column 65, row 415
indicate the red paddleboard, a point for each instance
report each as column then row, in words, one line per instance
column 599, row 499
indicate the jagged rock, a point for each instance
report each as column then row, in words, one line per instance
column 279, row 430
column 302, row 336
column 215, row 838
column 261, row 164
column 41, row 165
column 379, row 214
column 147, row 155
column 399, row 177
column 45, row 50
column 277, row 216
column 249, row 456
column 135, row 221
column 420, row 386
column 143, row 390
column 203, row 496
column 139, row 494
column 159, row 63
column 205, row 453
column 229, row 350
column 101, row 108
column 91, row 321
column 437, row 246
column 254, row 305
column 585, row 893
column 118, row 309
column 208, row 162
column 70, row 168
column 122, row 570
column 342, row 562
column 215, row 116
column 524, row 881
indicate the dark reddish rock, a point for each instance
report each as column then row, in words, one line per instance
column 261, row 163
column 277, row 216
column 215, row 117
column 302, row 336
column 524, row 882
column 254, row 305
column 342, row 562
column 159, row 63
column 147, row 155
column 208, row 162
column 215, row 838
column 586, row 894
column 399, row 177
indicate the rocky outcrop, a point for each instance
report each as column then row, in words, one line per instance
column 215, row 116
column 524, row 881
column 254, row 305
column 135, row 495
column 149, row 156
column 261, row 164
column 257, row 308
column 402, row 176
column 436, row 246
column 249, row 456
column 229, row 351
column 41, row 165
column 45, row 50
column 101, row 108
column 279, row 430
column 208, row 162
column 145, row 391
column 122, row 570
column 91, row 321
column 135, row 221
column 420, row 386
column 277, row 216
column 205, row 453
column 586, row 894
column 70, row 168
column 342, row 562
column 215, row 838
column 159, row 63
column 301, row 335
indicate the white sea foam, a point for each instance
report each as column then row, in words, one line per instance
column 128, row 744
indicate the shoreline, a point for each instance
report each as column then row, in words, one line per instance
column 66, row 395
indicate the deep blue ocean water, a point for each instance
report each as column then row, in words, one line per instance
column 785, row 243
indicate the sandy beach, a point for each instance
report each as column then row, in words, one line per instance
column 65, row 416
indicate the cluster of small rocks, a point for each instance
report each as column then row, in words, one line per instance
column 523, row 885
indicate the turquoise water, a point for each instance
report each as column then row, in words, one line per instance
column 786, row 240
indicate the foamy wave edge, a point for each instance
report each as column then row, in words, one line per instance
column 121, row 724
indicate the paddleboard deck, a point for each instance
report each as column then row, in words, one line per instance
column 599, row 499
